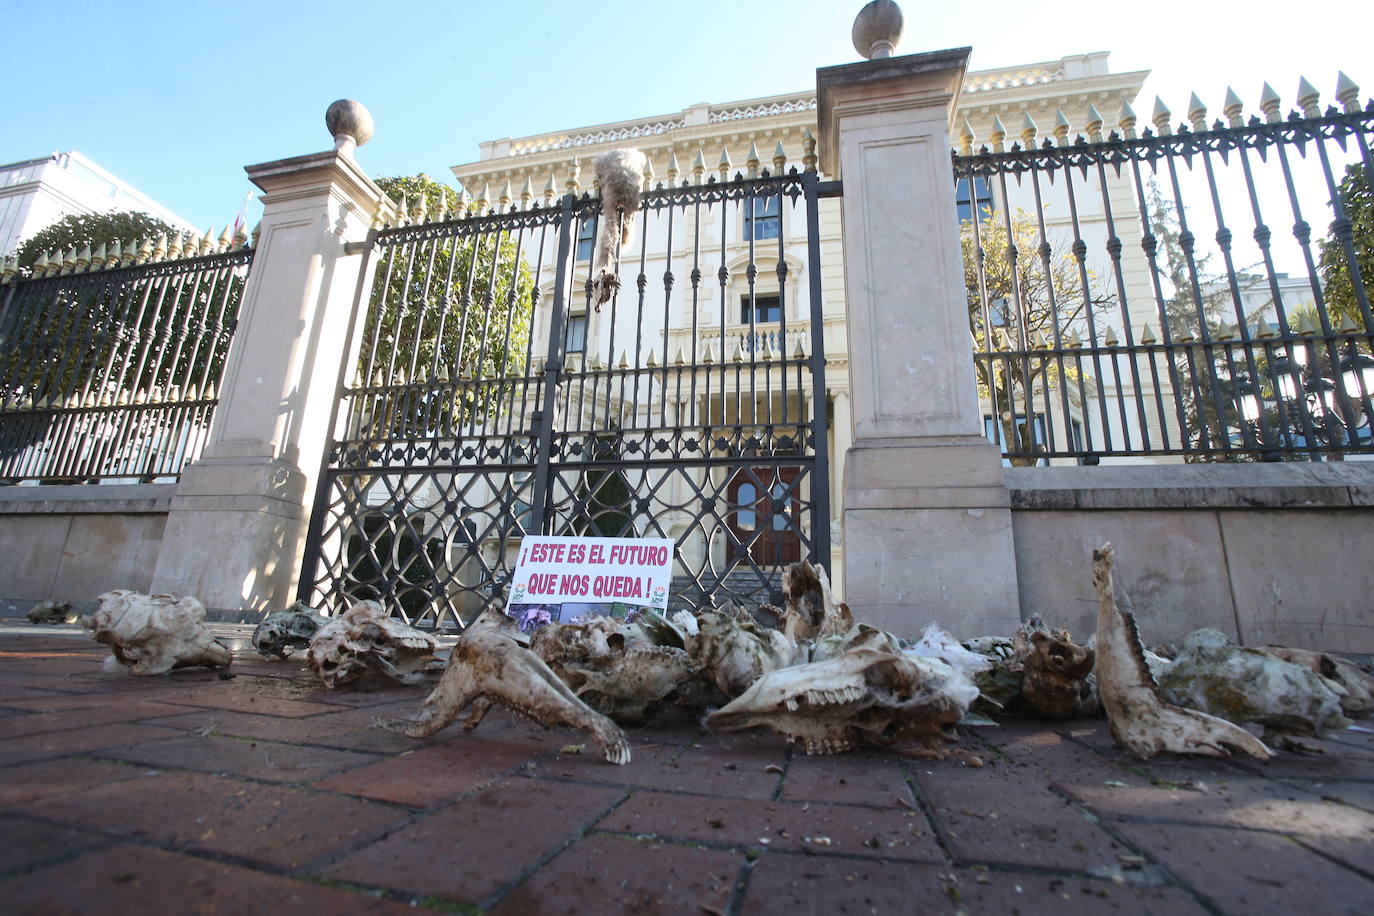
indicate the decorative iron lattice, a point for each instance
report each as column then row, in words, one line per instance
column 1168, row 294
column 492, row 399
column 112, row 374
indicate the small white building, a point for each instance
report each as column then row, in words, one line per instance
column 36, row 193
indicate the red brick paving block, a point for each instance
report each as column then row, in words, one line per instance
column 791, row 885
column 844, row 829
column 75, row 741
column 474, row 848
column 99, row 711
column 1003, row 892
column 1244, row 871
column 280, row 826
column 254, row 697
column 1355, row 794
column 329, row 730
column 1000, row 814
column 858, row 777
column 741, row 772
column 427, row 776
column 265, row 760
column 136, row 879
column 1196, row 793
column 11, row 691
column 22, row 784
column 602, row 874
column 25, row 844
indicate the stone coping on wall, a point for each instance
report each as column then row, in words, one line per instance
column 1289, row 485
column 87, row 499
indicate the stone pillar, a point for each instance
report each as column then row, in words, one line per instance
column 236, row 529
column 927, row 518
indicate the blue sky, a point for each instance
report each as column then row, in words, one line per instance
column 175, row 98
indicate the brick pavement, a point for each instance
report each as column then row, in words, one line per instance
column 192, row 793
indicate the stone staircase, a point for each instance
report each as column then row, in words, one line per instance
column 742, row 587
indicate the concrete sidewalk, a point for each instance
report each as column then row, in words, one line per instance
column 193, row 793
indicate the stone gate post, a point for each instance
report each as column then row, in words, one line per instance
column 927, row 518
column 237, row 524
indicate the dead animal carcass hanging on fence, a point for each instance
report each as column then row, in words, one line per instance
column 488, row 666
column 152, row 634
column 621, row 176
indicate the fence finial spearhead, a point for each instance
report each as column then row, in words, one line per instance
column 9, row 269
column 724, row 164
column 1347, row 93
column 998, row 135
column 779, row 159
column 966, row 138
column 699, row 166
column 440, row 212
column 1160, row 118
column 1197, row 114
column 1028, row 130
column 226, row 239
column 551, row 189
column 419, row 210
column 810, row 163
column 1233, row 109
column 877, row 29
column 674, row 169
column 648, row 173
column 526, row 193
column 1061, row 128
column 503, row 202
column 350, row 124
column 752, row 162
column 574, row 183
column 483, row 200
column 1269, row 104
column 1094, row 125
column 1307, row 99
column 207, row 241
column 1126, row 120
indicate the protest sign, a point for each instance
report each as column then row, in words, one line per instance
column 567, row 579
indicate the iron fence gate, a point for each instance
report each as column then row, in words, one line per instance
column 493, row 399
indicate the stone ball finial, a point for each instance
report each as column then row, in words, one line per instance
column 877, row 29
column 350, row 123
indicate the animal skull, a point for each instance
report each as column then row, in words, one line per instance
column 489, row 665
column 52, row 612
column 812, row 610
column 1139, row 718
column 364, row 639
column 1055, row 670
column 732, row 651
column 152, row 634
column 864, row 695
column 285, row 631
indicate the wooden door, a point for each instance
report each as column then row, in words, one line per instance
column 764, row 514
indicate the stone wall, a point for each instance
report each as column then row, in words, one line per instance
column 1267, row 553
column 73, row 542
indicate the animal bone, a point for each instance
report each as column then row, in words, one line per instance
column 732, row 651
column 52, row 612
column 365, row 639
column 615, row 667
column 1055, row 669
column 865, row 695
column 812, row 610
column 152, row 634
column 620, row 173
column 1354, row 685
column 285, row 631
column 1139, row 719
column 490, row 666
column 1248, row 685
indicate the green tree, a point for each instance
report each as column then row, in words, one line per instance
column 1053, row 305
column 451, row 315
column 1357, row 200
column 79, row 229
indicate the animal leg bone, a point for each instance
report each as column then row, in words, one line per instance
column 1139, row 719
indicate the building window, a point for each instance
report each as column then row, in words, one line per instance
column 586, row 239
column 993, row 431
column 576, row 339
column 980, row 199
column 766, row 309
column 762, row 218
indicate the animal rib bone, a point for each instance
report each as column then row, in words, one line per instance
column 1139, row 719
column 490, row 666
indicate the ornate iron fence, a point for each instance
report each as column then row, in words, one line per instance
column 1136, row 295
column 109, row 363
column 494, row 399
